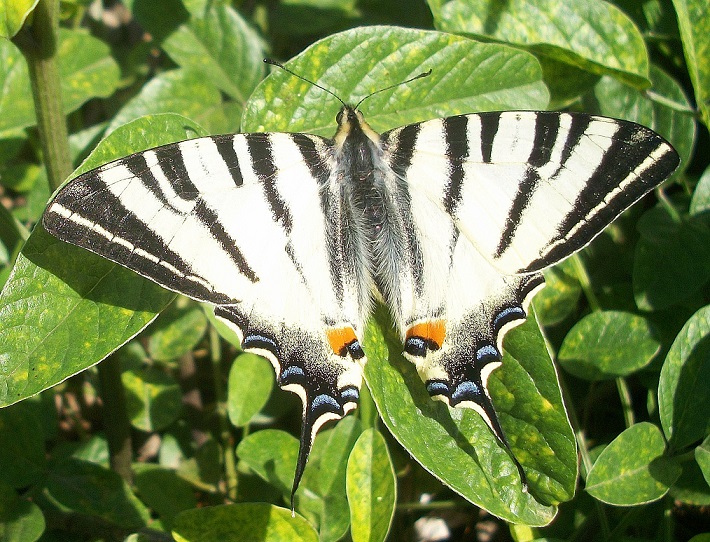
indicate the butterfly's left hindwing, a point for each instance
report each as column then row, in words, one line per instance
column 238, row 221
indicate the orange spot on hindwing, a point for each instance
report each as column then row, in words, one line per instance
column 425, row 336
column 343, row 341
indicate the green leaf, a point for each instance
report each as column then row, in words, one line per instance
column 13, row 14
column 240, row 522
column 88, row 488
column 221, row 47
column 153, row 398
column 558, row 299
column 674, row 123
column 177, row 330
column 694, row 23
column 86, row 68
column 681, row 248
column 700, row 202
column 357, row 62
column 333, row 449
column 527, row 398
column 632, row 470
column 684, row 388
column 251, row 379
column 22, row 454
column 163, row 490
column 183, row 92
column 271, row 454
column 372, row 488
column 20, row 519
column 691, row 488
column 313, row 17
column 64, row 309
column 593, row 35
column 702, row 457
column 608, row 344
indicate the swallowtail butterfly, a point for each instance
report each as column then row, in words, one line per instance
column 293, row 236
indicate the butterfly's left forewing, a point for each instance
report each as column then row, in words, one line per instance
column 252, row 224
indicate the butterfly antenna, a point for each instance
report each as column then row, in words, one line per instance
column 284, row 68
column 420, row 76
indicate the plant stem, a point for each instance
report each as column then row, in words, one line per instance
column 116, row 424
column 38, row 43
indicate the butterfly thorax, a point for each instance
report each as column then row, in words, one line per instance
column 366, row 186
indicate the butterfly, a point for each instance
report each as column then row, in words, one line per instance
column 294, row 237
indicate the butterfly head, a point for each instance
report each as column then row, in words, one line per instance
column 352, row 126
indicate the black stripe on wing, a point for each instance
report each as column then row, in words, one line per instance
column 594, row 209
column 225, row 148
column 107, row 235
column 262, row 161
column 457, row 152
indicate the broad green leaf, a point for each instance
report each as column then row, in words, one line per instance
column 240, row 522
column 16, row 105
column 271, row 454
column 22, row 454
column 153, row 398
column 163, row 490
column 10, row 237
column 177, row 331
column 184, row 92
column 337, row 445
column 64, row 309
column 219, row 45
column 88, row 488
column 632, row 470
column 86, row 68
column 700, row 202
column 13, row 14
column 357, row 62
column 678, row 247
column 593, row 35
column 702, row 457
column 620, row 101
column 567, row 83
column 251, row 379
column 694, row 23
column 684, row 388
column 204, row 470
column 527, row 397
column 372, row 488
column 558, row 299
column 20, row 519
column 159, row 22
column 691, row 488
column 608, row 344
column 313, row 17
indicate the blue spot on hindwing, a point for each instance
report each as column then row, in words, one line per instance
column 466, row 390
column 325, row 401
column 487, row 351
column 437, row 387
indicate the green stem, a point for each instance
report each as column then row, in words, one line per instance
column 226, row 436
column 625, row 397
column 585, row 282
column 38, row 43
column 116, row 423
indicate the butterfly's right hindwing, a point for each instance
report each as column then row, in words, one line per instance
column 247, row 222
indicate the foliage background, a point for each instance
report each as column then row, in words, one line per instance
column 138, row 446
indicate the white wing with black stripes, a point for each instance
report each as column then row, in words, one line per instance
column 292, row 236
